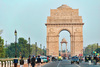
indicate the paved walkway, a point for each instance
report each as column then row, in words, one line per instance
column 26, row 65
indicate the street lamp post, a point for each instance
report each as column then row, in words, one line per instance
column 92, row 50
column 40, row 49
column 36, row 48
column 15, row 42
column 43, row 50
column 29, row 45
column 97, row 47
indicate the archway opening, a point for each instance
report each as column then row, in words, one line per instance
column 64, row 40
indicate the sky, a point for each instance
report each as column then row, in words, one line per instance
column 28, row 17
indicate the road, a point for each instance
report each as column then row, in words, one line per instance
column 66, row 63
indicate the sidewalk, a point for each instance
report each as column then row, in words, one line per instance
column 26, row 65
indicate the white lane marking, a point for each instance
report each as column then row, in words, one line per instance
column 77, row 65
column 58, row 64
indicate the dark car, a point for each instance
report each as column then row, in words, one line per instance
column 75, row 59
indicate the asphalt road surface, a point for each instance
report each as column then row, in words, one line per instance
column 67, row 63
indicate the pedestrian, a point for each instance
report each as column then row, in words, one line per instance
column 29, row 61
column 48, row 58
column 89, row 58
column 53, row 58
column 38, row 61
column 96, row 59
column 21, row 62
column 33, row 61
column 15, row 61
column 86, row 59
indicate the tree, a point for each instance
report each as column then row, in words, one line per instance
column 2, row 52
column 90, row 48
column 10, row 50
column 22, row 49
column 39, row 50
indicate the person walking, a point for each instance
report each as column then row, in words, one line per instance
column 15, row 61
column 33, row 61
column 48, row 58
column 95, row 58
column 21, row 62
column 53, row 58
column 89, row 58
column 38, row 61
column 29, row 61
column 86, row 59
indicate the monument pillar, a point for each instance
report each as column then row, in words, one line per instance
column 53, row 45
column 72, row 45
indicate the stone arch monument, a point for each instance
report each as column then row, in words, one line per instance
column 64, row 18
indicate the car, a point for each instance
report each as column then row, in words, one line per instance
column 74, row 59
column 44, row 59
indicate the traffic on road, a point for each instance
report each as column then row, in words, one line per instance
column 72, row 62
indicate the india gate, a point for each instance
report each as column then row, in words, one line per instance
column 64, row 18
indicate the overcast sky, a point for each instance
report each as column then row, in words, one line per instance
column 28, row 17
